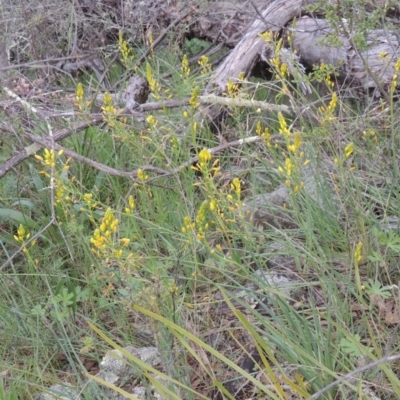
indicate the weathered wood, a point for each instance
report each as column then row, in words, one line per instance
column 244, row 56
column 309, row 33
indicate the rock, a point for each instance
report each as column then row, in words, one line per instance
column 267, row 210
column 277, row 281
column 59, row 392
column 115, row 367
column 273, row 210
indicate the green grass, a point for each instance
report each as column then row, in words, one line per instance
column 61, row 304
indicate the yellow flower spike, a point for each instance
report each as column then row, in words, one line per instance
column 289, row 166
column 141, row 175
column 267, row 36
column 205, row 156
column 114, row 225
column 357, row 259
column 283, row 130
column 38, row 157
column 185, row 66
column 109, row 215
column 397, row 65
column 205, row 66
column 236, row 186
column 284, row 70
column 258, row 128
column 108, row 107
column 151, row 121
column 103, row 227
column 87, row 197
column 21, row 231
column 79, row 94
column 131, row 202
column 213, row 205
column 349, row 149
column 193, row 99
column 232, row 87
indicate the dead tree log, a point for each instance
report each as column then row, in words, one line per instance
column 370, row 70
column 247, row 52
column 365, row 69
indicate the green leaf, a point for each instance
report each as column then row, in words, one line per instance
column 18, row 217
column 375, row 287
column 352, row 346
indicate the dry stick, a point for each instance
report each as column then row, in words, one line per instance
column 41, row 63
column 44, row 142
column 351, row 374
column 217, row 149
column 160, row 39
column 97, row 119
column 33, row 148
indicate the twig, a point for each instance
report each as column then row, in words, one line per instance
column 97, row 119
column 33, row 148
column 351, row 374
column 44, row 142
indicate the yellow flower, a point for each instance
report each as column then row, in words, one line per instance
column 397, row 66
column 268, row 36
column 131, row 202
column 349, row 149
column 236, row 186
column 79, row 93
column 185, row 66
column 283, row 129
column 193, row 99
column 151, row 121
column 205, row 66
column 232, row 88
column 213, row 205
column 296, row 143
column 204, row 156
column 142, row 176
column 357, row 253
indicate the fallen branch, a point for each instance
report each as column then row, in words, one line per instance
column 96, row 119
